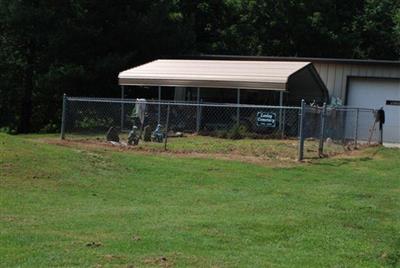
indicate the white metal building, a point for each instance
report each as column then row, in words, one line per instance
column 358, row 83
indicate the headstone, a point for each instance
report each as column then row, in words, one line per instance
column 112, row 134
column 157, row 135
column 147, row 133
column 133, row 137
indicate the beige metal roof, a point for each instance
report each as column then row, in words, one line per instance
column 265, row 75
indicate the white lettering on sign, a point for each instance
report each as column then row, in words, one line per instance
column 266, row 119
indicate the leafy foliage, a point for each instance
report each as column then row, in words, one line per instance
column 77, row 47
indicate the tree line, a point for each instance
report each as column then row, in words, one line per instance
column 78, row 47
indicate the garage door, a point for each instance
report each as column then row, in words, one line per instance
column 377, row 93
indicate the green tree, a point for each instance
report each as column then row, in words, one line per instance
column 51, row 47
column 378, row 30
column 77, row 47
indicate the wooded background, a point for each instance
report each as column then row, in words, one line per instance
column 78, row 47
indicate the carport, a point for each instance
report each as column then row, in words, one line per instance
column 293, row 81
column 299, row 80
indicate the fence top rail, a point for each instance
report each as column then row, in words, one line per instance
column 177, row 103
column 341, row 109
column 209, row 104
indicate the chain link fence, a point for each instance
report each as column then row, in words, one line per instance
column 346, row 127
column 312, row 129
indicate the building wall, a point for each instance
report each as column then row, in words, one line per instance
column 335, row 75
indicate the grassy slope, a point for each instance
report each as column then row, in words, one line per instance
column 195, row 212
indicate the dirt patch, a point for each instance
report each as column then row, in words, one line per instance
column 161, row 261
column 136, row 238
column 94, row 244
column 236, row 155
column 6, row 166
column 278, row 156
column 359, row 152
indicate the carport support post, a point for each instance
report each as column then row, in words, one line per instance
column 238, row 109
column 280, row 109
column 159, row 105
column 63, row 117
column 322, row 131
column 301, row 130
column 122, row 107
column 356, row 128
column 198, row 111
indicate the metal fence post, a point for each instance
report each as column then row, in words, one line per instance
column 356, row 128
column 159, row 105
column 198, row 120
column 381, row 133
column 283, row 124
column 280, row 109
column 301, row 130
column 166, row 128
column 63, row 116
column 321, row 135
column 238, row 109
column 122, row 107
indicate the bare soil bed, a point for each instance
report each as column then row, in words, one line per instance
column 278, row 152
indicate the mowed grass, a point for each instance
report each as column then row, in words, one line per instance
column 85, row 207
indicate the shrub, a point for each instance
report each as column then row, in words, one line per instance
column 237, row 132
column 92, row 123
column 50, row 128
column 8, row 130
column 222, row 134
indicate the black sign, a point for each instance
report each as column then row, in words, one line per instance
column 393, row 102
column 266, row 119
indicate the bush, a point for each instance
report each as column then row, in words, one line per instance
column 237, row 132
column 92, row 123
column 50, row 128
column 8, row 130
column 222, row 134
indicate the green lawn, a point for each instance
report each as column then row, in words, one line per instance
column 88, row 207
